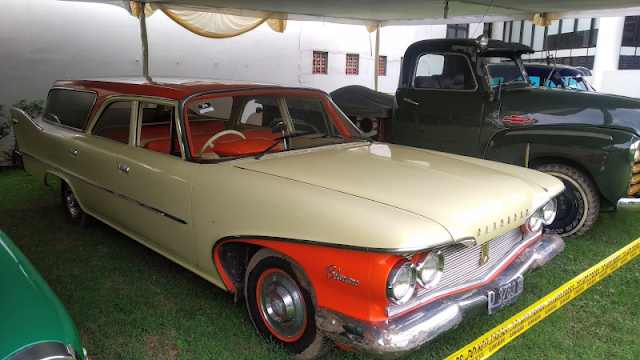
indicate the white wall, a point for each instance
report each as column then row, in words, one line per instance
column 44, row 40
column 621, row 82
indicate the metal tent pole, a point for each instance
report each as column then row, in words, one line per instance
column 145, row 43
column 377, row 58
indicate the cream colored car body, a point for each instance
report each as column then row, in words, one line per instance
column 368, row 196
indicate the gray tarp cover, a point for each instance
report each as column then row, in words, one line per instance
column 356, row 100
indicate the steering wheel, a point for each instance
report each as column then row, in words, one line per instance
column 209, row 142
column 277, row 121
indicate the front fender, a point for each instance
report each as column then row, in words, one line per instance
column 603, row 153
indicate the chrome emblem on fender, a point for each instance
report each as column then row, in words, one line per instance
column 333, row 272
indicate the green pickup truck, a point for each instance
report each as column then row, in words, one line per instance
column 449, row 99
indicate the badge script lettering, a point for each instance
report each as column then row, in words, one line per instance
column 334, row 273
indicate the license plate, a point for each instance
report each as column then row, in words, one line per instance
column 504, row 295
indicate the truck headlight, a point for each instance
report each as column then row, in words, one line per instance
column 634, row 151
column 549, row 212
column 429, row 266
column 401, row 282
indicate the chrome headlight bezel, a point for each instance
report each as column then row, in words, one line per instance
column 549, row 211
column 429, row 268
column 534, row 222
column 404, row 271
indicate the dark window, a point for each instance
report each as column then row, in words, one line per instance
column 631, row 32
column 114, row 122
column 458, row 31
column 320, row 62
column 443, row 71
column 382, row 66
column 352, row 64
column 627, row 62
column 69, row 107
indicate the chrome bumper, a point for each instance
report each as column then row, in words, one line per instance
column 628, row 204
column 407, row 332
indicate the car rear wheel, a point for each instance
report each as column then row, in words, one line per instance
column 578, row 205
column 281, row 304
column 74, row 211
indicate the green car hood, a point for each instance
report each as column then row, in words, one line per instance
column 546, row 106
column 31, row 313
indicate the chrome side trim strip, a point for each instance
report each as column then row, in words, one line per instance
column 528, row 239
column 157, row 211
column 47, row 350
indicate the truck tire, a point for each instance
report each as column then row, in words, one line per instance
column 578, row 205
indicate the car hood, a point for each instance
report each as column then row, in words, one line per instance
column 30, row 311
column 468, row 197
column 546, row 106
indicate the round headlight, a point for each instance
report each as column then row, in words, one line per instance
column 534, row 222
column 429, row 268
column 401, row 282
column 549, row 212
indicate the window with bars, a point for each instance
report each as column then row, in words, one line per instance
column 382, row 66
column 320, row 62
column 353, row 61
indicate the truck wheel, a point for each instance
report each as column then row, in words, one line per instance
column 71, row 204
column 282, row 306
column 578, row 205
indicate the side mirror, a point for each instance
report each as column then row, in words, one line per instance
column 258, row 110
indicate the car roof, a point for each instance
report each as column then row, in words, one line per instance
column 493, row 46
column 159, row 86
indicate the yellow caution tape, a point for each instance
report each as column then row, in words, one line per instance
column 498, row 337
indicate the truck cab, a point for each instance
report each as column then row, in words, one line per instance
column 450, row 98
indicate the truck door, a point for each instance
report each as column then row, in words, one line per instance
column 441, row 106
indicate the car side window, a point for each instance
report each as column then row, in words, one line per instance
column 444, row 71
column 70, row 108
column 157, row 129
column 114, row 122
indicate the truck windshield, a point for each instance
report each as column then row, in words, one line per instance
column 504, row 70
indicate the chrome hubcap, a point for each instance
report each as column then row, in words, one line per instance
column 282, row 305
column 72, row 203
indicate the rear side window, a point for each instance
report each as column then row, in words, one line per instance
column 69, row 107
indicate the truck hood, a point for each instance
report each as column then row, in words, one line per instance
column 547, row 106
column 468, row 197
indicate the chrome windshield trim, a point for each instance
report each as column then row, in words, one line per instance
column 157, row 211
column 527, row 240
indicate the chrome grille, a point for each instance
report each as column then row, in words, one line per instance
column 462, row 264
column 462, row 268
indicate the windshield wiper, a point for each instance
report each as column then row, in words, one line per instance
column 278, row 140
column 346, row 137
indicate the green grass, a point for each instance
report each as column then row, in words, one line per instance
column 130, row 303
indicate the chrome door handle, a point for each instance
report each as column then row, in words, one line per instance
column 410, row 101
column 73, row 151
column 123, row 168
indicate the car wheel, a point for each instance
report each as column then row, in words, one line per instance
column 282, row 304
column 578, row 205
column 71, row 204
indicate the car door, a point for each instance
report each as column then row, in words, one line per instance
column 154, row 185
column 441, row 107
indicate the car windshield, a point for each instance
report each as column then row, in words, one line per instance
column 231, row 126
column 504, row 70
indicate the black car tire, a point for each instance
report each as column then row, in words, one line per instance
column 270, row 274
column 578, row 205
column 73, row 208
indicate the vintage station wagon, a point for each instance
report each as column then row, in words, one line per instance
column 271, row 193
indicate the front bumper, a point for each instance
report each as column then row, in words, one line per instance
column 628, row 204
column 407, row 332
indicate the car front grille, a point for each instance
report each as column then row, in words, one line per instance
column 462, row 268
column 634, row 189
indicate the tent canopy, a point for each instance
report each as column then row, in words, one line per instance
column 402, row 12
